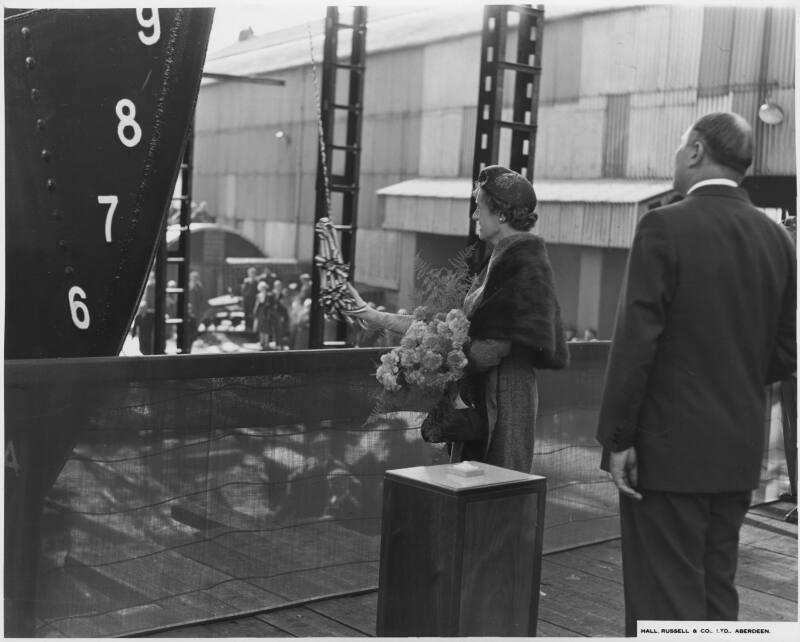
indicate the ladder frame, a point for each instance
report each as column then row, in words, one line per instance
column 181, row 257
column 527, row 65
column 347, row 183
column 183, row 251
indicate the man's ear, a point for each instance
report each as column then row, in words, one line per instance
column 698, row 152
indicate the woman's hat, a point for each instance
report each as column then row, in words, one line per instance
column 508, row 186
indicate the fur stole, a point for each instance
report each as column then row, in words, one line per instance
column 519, row 302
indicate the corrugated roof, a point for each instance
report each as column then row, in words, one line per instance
column 600, row 190
column 289, row 47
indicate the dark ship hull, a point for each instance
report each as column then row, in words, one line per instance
column 98, row 108
column 99, row 104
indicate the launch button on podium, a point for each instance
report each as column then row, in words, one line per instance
column 461, row 548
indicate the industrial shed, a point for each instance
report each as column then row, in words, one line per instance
column 607, row 124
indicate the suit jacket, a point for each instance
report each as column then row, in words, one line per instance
column 706, row 319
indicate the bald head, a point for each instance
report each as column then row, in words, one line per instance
column 728, row 139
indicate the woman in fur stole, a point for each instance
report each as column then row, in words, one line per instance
column 515, row 322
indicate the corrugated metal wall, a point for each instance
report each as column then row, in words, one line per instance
column 657, row 122
column 618, row 90
column 715, row 57
column 378, row 258
column 451, row 73
column 615, row 141
column 608, row 56
column 569, row 143
column 781, row 54
column 685, row 45
column 748, row 40
column 594, row 224
column 439, row 150
column 445, row 216
column 680, row 72
column 561, row 74
column 723, row 102
column 651, row 48
column 394, row 81
column 469, row 121
column 247, row 175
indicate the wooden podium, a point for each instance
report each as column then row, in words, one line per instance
column 461, row 549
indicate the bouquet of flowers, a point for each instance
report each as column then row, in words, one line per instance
column 430, row 354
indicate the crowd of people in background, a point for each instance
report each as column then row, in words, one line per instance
column 280, row 315
column 571, row 334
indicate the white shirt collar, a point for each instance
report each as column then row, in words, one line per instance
column 712, row 181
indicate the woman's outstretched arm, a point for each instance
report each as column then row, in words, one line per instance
column 387, row 320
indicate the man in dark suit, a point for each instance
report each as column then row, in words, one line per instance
column 706, row 319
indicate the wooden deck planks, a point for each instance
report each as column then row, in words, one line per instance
column 244, row 596
column 573, row 600
column 545, row 629
column 765, row 571
column 245, row 627
column 335, row 558
column 357, row 611
column 570, row 577
column 303, row 622
column 757, row 537
column 602, row 560
column 582, row 592
column 304, row 584
column 755, row 606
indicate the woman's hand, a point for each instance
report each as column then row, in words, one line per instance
column 359, row 305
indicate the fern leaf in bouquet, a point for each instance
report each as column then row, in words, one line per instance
column 443, row 289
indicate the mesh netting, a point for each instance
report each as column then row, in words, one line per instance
column 187, row 497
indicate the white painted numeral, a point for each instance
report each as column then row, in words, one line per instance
column 77, row 307
column 111, row 200
column 126, row 112
column 149, row 23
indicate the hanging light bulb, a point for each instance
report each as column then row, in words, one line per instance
column 770, row 113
